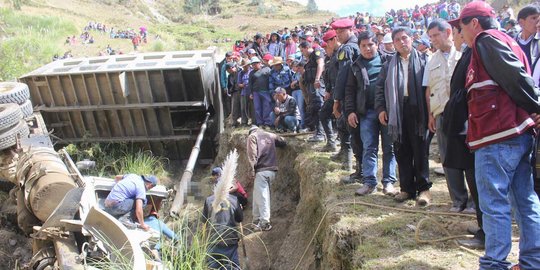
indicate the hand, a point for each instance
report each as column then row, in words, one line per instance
column 432, row 125
column 383, row 118
column 293, row 84
column 145, row 227
column 240, row 85
column 276, row 111
column 251, row 96
column 536, row 118
column 353, row 120
column 327, row 96
column 317, row 84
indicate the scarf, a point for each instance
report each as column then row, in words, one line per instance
column 394, row 90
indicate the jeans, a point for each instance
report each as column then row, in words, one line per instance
column 235, row 107
column 504, row 179
column 247, row 110
column 261, row 196
column 161, row 227
column 370, row 128
column 121, row 208
column 299, row 97
column 262, row 101
column 313, row 108
column 288, row 122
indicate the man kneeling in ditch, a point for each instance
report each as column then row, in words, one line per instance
column 261, row 153
column 128, row 197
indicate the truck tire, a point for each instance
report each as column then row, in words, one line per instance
column 10, row 115
column 9, row 137
column 26, row 108
column 14, row 92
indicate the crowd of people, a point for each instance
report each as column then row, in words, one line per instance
column 468, row 76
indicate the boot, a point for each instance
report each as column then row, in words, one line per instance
column 330, row 144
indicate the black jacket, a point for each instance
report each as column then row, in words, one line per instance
column 355, row 89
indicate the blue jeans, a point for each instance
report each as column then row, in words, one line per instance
column 161, row 227
column 370, row 128
column 290, row 122
column 504, row 179
column 299, row 97
column 262, row 101
column 121, row 208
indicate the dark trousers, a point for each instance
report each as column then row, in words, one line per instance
column 223, row 257
column 325, row 116
column 471, row 183
column 411, row 156
column 312, row 110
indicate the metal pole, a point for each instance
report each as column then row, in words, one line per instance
column 182, row 187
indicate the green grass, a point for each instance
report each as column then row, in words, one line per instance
column 30, row 41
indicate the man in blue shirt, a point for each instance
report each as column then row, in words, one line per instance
column 129, row 195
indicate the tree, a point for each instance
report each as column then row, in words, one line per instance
column 312, row 6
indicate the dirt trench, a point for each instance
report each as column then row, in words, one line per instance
column 298, row 202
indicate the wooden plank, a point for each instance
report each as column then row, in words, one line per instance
column 153, row 124
column 106, row 90
column 102, row 119
column 65, row 100
column 89, row 118
column 192, row 106
column 137, row 115
column 124, row 115
column 159, row 91
column 49, row 99
column 78, row 120
column 142, row 139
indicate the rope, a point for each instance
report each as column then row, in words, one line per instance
column 417, row 230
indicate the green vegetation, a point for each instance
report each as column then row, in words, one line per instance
column 30, row 41
column 198, row 35
column 114, row 159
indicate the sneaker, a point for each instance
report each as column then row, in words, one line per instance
column 402, row 196
column 455, row 209
column 255, row 226
column 439, row 171
column 469, row 210
column 514, row 267
column 266, row 226
column 424, row 198
column 316, row 139
column 390, row 190
column 303, row 130
column 365, row 190
column 351, row 179
column 473, row 243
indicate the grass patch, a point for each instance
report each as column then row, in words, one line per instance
column 30, row 41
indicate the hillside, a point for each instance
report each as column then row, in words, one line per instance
column 38, row 31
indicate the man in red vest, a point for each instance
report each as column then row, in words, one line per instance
column 502, row 99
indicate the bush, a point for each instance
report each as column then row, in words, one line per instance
column 158, row 46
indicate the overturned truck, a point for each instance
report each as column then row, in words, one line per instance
column 158, row 101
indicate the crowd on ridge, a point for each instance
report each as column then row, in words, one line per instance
column 468, row 75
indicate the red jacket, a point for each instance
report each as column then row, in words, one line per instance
column 493, row 115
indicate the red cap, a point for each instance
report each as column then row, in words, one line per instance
column 342, row 23
column 474, row 9
column 330, row 34
column 267, row 57
column 309, row 39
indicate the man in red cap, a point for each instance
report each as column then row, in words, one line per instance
column 350, row 137
column 502, row 102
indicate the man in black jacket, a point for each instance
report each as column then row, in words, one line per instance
column 285, row 114
column 360, row 111
column 401, row 105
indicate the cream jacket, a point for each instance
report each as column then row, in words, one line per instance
column 440, row 73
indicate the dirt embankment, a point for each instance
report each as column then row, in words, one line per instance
column 320, row 224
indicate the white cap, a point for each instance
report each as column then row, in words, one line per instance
column 387, row 38
column 309, row 33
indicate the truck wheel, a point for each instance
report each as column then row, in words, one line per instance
column 27, row 108
column 10, row 115
column 14, row 92
column 9, row 137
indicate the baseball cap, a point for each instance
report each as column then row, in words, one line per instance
column 387, row 38
column 217, row 171
column 150, row 179
column 250, row 51
column 255, row 59
column 474, row 9
column 267, row 57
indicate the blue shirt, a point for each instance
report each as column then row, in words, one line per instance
column 280, row 78
column 130, row 187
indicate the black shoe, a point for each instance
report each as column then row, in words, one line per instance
column 473, row 243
